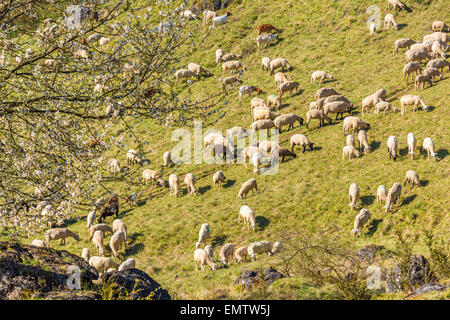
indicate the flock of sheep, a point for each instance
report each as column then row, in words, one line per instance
column 265, row 116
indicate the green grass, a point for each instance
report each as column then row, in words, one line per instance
column 311, row 191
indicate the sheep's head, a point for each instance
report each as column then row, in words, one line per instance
column 215, row 266
column 228, row 13
column 311, row 146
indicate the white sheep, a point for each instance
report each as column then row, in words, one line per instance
column 439, row 26
column 241, row 254
column 353, row 195
column 119, row 225
column 185, row 73
column 432, row 73
column 130, row 263
column 265, row 39
column 388, row 20
column 133, row 157
column 411, row 177
column 233, row 65
column 230, row 57
column 237, row 132
column 421, row 79
column 403, row 43
column 337, row 107
column 226, row 253
column 325, row 92
column 370, row 101
column 321, row 76
column 265, row 63
column 393, row 196
column 167, row 159
column 261, row 113
column 280, row 77
column 277, row 246
column 229, row 81
column 174, row 183
column 203, row 234
column 150, row 175
column 198, row 69
column 409, row 68
column 200, row 256
column 409, row 99
column 219, row 55
column 248, row 89
column 256, row 160
column 257, row 102
column 116, row 242
column 317, row 114
column 102, row 263
column 208, row 15
column 188, row 14
column 259, row 247
column 439, row 64
column 290, row 86
column 350, row 152
column 59, row 233
column 392, row 145
column 384, row 106
column 262, row 125
column 218, row 179
column 103, row 227
column 248, row 215
column 373, row 28
column 103, row 41
column 396, row 4
column 38, row 243
column 248, row 153
column 86, row 254
column 217, row 21
column 428, row 146
column 287, row 119
column 273, row 101
column 279, row 63
column 246, row 187
column 355, row 124
column 97, row 240
column 363, row 142
column 381, row 194
column 412, row 142
column 189, row 181
column 360, row 220
column 114, row 166
column 209, row 249
column 350, row 140
column 302, row 141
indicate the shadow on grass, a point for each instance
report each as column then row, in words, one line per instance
column 218, row 240
column 403, row 152
column 375, row 145
column 135, row 249
column 299, row 92
column 202, row 190
column 229, row 183
column 401, row 26
column 125, row 212
column 442, row 153
column 367, row 200
column 262, row 222
column 373, row 227
column 409, row 199
column 424, row 183
column 141, row 203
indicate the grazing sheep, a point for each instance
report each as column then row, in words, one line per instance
column 393, row 196
column 403, row 43
column 360, row 220
column 259, row 247
column 392, row 145
column 119, row 225
column 217, row 21
column 258, row 102
column 265, row 39
column 334, row 98
column 103, row 227
column 373, row 28
column 248, row 89
column 388, row 20
column 280, row 78
column 363, row 143
column 81, row 54
column 209, row 138
column 411, row 144
column 229, row 81
column 409, row 68
column 226, row 253
column 38, row 243
column 279, row 63
column 86, row 254
column 261, row 113
column 209, row 250
column 197, row 69
column 439, row 26
column 103, row 41
column 246, row 187
column 370, row 101
column 439, row 64
column 350, row 140
column 302, row 141
column 114, row 166
column 256, row 160
column 90, row 218
column 241, row 254
column 411, row 177
column 350, row 152
column 167, row 159
column 321, row 76
column 283, row 152
column 396, row 4
column 338, row 107
column 316, row 114
column 265, row 28
column 268, row 146
column 274, row 101
column 262, row 125
column 421, row 79
column 248, row 153
column 150, row 175
column 409, row 99
column 265, row 63
column 442, row 36
column 233, row 65
column 185, row 73
column 189, row 181
column 384, row 106
column 428, row 146
column 218, row 179
column 437, row 49
column 381, row 194
column 355, row 124
column 230, row 57
column 353, row 195
column 200, row 256
column 290, row 86
column 203, row 235
column 418, row 55
column 59, row 233
column 237, row 132
column 432, row 73
column 97, row 240
column 127, row 264
column 219, row 55
column 208, row 15
column 174, row 183
column 188, row 14
column 277, row 246
column 102, row 264
column 287, row 119
column 116, row 242
column 325, row 92
column 133, row 157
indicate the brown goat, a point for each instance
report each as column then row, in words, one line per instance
column 266, row 28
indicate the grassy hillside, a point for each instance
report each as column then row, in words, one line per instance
column 311, row 191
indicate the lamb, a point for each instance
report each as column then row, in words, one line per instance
column 287, row 119
column 226, row 253
column 393, row 196
column 59, row 233
column 417, row 55
column 266, row 28
column 258, row 102
column 217, row 21
column 290, row 86
column 411, row 177
column 355, row 124
column 246, row 187
column 409, row 99
column 316, row 114
column 38, row 243
column 350, row 152
column 411, row 144
column 321, row 76
column 167, row 159
column 338, row 107
column 280, row 77
column 114, row 166
column 392, row 145
column 353, row 195
column 302, row 141
column 174, row 183
column 133, row 157
column 229, row 81
column 197, row 69
column 363, row 143
column 90, row 218
column 259, row 247
column 262, row 125
column 360, row 220
column 233, row 65
column 97, row 240
column 189, row 181
column 241, row 254
column 102, row 264
column 439, row 26
column 103, row 41
column 409, row 68
column 248, row 89
column 127, row 264
column 86, row 254
column 265, row 63
column 219, row 55
column 185, row 73
column 325, row 92
column 208, row 15
column 439, row 64
column 396, row 4
column 103, row 227
column 273, row 101
column 218, row 179
column 279, row 63
column 428, row 146
column 150, row 175
column 370, row 101
column 381, row 194
column 350, row 140
column 421, row 79
column 403, row 43
column 265, row 39
column 384, row 106
column 283, row 152
column 432, row 73
column 203, row 235
column 200, row 256
column 388, row 20
column 119, row 225
column 116, row 242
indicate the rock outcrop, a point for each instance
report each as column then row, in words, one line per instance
column 251, row 279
